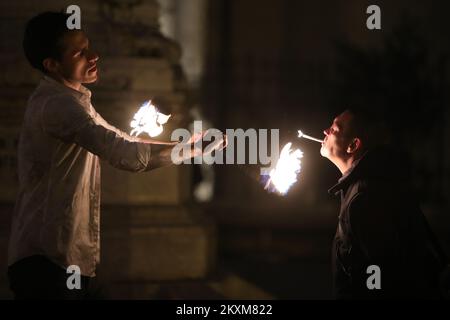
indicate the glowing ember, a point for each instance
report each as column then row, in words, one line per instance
column 148, row 119
column 285, row 173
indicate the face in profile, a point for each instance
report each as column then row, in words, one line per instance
column 78, row 62
column 337, row 139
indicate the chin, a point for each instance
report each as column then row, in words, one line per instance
column 324, row 152
column 91, row 79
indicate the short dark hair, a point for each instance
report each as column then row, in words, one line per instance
column 42, row 38
column 369, row 125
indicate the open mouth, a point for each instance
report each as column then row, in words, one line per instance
column 93, row 68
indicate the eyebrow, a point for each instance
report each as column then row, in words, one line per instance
column 85, row 45
column 337, row 124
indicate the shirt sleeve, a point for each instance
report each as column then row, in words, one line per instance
column 63, row 117
column 99, row 120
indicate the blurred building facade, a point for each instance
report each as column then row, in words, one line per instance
column 150, row 233
column 244, row 64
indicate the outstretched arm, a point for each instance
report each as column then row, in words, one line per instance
column 65, row 119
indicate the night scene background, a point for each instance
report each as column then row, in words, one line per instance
column 207, row 232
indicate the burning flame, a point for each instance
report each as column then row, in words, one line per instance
column 285, row 173
column 148, row 119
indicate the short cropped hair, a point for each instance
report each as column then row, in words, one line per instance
column 43, row 38
column 369, row 125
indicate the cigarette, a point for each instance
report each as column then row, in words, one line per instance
column 302, row 135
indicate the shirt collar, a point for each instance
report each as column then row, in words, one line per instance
column 83, row 93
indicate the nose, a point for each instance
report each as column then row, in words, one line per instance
column 326, row 131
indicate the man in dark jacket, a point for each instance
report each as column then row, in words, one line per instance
column 383, row 246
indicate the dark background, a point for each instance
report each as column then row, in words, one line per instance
column 293, row 64
column 297, row 64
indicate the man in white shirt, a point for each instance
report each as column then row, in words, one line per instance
column 57, row 214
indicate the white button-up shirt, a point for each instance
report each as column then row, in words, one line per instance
column 57, row 213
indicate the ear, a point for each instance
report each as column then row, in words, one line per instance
column 51, row 65
column 354, row 146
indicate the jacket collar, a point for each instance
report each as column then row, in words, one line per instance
column 345, row 180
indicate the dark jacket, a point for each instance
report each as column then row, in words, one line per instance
column 380, row 223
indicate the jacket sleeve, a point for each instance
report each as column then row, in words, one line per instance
column 63, row 117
